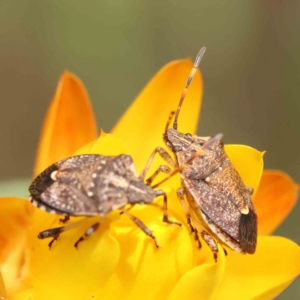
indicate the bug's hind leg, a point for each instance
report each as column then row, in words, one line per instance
column 88, row 232
column 55, row 232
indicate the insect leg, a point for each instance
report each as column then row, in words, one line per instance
column 142, row 226
column 88, row 232
column 65, row 219
column 180, row 195
column 250, row 189
column 161, row 169
column 197, row 239
column 165, row 208
column 211, row 243
column 163, row 154
column 55, row 232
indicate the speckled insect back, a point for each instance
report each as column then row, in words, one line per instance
column 219, row 205
column 92, row 185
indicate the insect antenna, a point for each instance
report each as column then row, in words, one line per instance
column 207, row 144
column 191, row 76
column 171, row 115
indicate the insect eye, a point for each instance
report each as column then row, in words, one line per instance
column 177, row 148
column 201, row 143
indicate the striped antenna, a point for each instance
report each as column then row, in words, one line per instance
column 191, row 76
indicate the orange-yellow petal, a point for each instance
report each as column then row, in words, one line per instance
column 277, row 194
column 15, row 216
column 68, row 125
column 201, row 282
column 143, row 123
column 262, row 275
column 142, row 265
column 73, row 274
column 3, row 294
column 106, row 144
column 248, row 162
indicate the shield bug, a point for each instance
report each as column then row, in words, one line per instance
column 219, row 203
column 93, row 185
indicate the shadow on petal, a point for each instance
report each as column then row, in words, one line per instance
column 3, row 294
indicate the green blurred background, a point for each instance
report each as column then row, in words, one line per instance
column 251, row 71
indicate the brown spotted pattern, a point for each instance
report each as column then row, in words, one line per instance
column 215, row 189
column 87, row 185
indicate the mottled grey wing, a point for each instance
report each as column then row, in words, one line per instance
column 216, row 206
column 112, row 183
column 64, row 186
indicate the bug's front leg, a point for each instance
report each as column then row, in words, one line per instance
column 165, row 208
column 163, row 154
column 161, row 169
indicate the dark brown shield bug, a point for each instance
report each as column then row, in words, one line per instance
column 219, row 204
column 93, row 185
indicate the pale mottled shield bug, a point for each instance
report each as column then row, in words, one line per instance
column 219, row 203
column 93, row 185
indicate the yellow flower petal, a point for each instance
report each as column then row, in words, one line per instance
column 143, row 123
column 276, row 196
column 263, row 275
column 75, row 274
column 248, row 162
column 15, row 216
column 201, row 282
column 142, row 265
column 106, row 144
column 68, row 125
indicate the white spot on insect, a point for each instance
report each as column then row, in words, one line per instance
column 207, row 179
column 92, row 184
column 42, row 207
column 35, row 203
column 245, row 210
column 220, row 168
column 90, row 194
column 94, row 175
column 54, row 175
column 52, row 211
column 89, row 231
column 30, row 198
